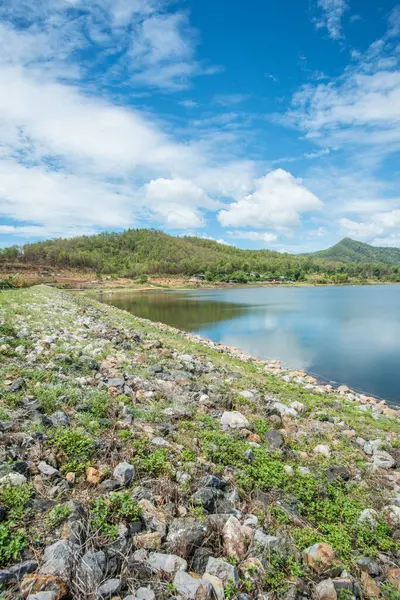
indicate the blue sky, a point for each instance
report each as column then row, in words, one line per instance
column 260, row 124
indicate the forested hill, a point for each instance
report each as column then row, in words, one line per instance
column 139, row 252
column 348, row 250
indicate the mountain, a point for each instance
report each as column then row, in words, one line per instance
column 351, row 251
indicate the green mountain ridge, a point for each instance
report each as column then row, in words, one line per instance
column 348, row 250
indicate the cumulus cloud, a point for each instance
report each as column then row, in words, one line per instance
column 277, row 203
column 331, row 16
column 256, row 236
column 380, row 226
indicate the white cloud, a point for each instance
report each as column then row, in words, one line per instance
column 331, row 17
column 262, row 236
column 230, row 99
column 278, row 202
column 380, row 226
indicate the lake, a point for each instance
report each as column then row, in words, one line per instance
column 345, row 335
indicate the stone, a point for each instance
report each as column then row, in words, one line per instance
column 298, row 406
column 124, row 473
column 252, row 570
column 108, row 589
column 383, row 460
column 213, row 481
column 200, row 559
column 234, row 420
column 190, row 588
column 223, row 570
column 369, row 517
column 143, row 593
column 392, row 514
column 319, row 557
column 149, row 541
column 59, row 419
column 370, row 566
column 262, row 542
column 185, row 535
column 393, row 577
column 91, row 569
column 166, row 564
column 47, row 470
column 93, row 475
column 17, row 385
column 206, row 498
column 274, row 439
column 14, row 479
column 325, row 590
column 6, row 577
column 323, row 450
column 42, row 596
column 233, row 539
column 338, row 473
column 21, row 569
column 58, row 559
column 37, row 583
column 153, row 518
column 109, row 485
column 277, row 408
column 369, row 586
column 217, row 585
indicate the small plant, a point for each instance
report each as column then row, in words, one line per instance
column 77, row 447
column 125, row 435
column 15, row 499
column 12, row 542
column 107, row 512
column 156, row 463
column 58, row 515
column 188, row 456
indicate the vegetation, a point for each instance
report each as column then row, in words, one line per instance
column 137, row 253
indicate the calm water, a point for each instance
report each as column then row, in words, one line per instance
column 348, row 335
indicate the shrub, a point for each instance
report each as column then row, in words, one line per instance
column 107, row 512
column 77, row 447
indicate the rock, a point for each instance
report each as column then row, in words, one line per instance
column 393, row 577
column 36, row 584
column 369, row 517
column 192, row 589
column 217, row 585
column 185, row 535
column 124, row 473
column 369, row 586
column 213, row 481
column 319, row 557
column 48, row 470
column 338, row 473
column 14, row 479
column 277, row 408
column 223, row 570
column 274, row 439
column 108, row 589
column 323, row 450
column 234, row 420
column 267, row 543
column 200, row 559
column 298, row 406
column 42, row 596
column 143, row 593
column 392, row 514
column 93, row 475
column 233, row 539
column 166, row 564
column 6, row 577
column 154, row 519
column 91, row 570
column 383, row 460
column 21, row 569
column 17, row 385
column 58, row 559
column 109, row 485
column 59, row 419
column 370, row 566
column 253, row 571
column 206, row 498
column 325, row 590
column 149, row 541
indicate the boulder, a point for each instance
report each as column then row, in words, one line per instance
column 234, row 420
column 217, row 586
column 166, row 564
column 383, row 460
column 192, row 589
column 319, row 557
column 58, row 559
column 369, row 586
column 277, row 408
column 185, row 535
column 143, row 593
column 124, row 473
column 274, row 439
column 14, row 479
column 233, row 539
column 223, row 570
column 325, row 590
column 91, row 569
column 368, row 565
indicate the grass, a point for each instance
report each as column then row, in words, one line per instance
column 107, row 512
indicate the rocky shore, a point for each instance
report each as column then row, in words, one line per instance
column 141, row 462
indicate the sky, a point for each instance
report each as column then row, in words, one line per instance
column 260, row 124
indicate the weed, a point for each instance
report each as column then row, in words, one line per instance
column 58, row 515
column 77, row 447
column 107, row 512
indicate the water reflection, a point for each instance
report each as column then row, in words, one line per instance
column 348, row 335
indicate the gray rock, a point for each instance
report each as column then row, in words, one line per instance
column 213, row 481
column 59, row 419
column 206, row 498
column 58, row 559
column 47, row 470
column 200, row 559
column 370, row 566
column 167, row 564
column 383, row 460
column 188, row 587
column 234, row 420
column 222, row 569
column 42, row 596
column 91, row 569
column 185, row 535
column 267, row 543
column 109, row 485
column 23, row 568
column 144, row 593
column 17, row 385
column 369, row 517
column 274, row 439
column 108, row 589
column 277, row 408
column 6, row 577
column 13, row 479
column 124, row 473
column 338, row 473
